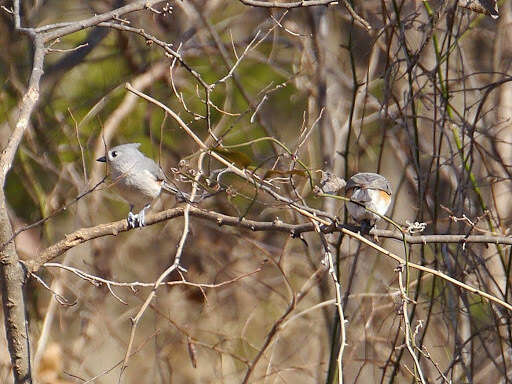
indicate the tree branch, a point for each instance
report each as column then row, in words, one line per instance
column 112, row 229
column 83, row 24
column 11, row 272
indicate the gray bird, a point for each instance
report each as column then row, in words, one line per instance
column 372, row 191
column 137, row 179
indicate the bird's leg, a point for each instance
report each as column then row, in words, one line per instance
column 137, row 220
column 132, row 219
column 141, row 215
column 365, row 227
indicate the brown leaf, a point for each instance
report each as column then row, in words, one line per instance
column 237, row 157
column 330, row 183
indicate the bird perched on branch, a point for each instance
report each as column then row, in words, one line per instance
column 137, row 179
column 368, row 192
column 488, row 7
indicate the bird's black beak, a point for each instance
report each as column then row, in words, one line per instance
column 102, row 159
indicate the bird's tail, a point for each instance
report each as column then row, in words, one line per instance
column 181, row 196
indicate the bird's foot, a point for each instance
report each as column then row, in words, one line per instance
column 365, row 227
column 133, row 220
column 137, row 220
column 142, row 216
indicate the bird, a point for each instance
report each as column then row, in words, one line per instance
column 368, row 192
column 488, row 7
column 137, row 179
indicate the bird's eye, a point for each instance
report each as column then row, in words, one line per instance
column 114, row 153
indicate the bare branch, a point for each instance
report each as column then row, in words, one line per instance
column 112, row 229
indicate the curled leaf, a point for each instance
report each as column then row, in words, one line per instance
column 237, row 157
column 330, row 183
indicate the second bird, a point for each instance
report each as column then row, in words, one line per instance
column 368, row 190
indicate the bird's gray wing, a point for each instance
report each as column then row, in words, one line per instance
column 149, row 165
column 180, row 195
column 159, row 175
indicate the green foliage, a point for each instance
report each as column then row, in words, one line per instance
column 18, row 198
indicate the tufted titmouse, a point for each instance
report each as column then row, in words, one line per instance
column 372, row 191
column 138, row 179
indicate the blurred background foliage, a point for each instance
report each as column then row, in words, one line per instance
column 408, row 99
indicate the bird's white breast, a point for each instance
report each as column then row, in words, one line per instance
column 369, row 198
column 380, row 204
column 137, row 188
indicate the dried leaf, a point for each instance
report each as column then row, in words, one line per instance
column 237, row 157
column 192, row 353
column 330, row 183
